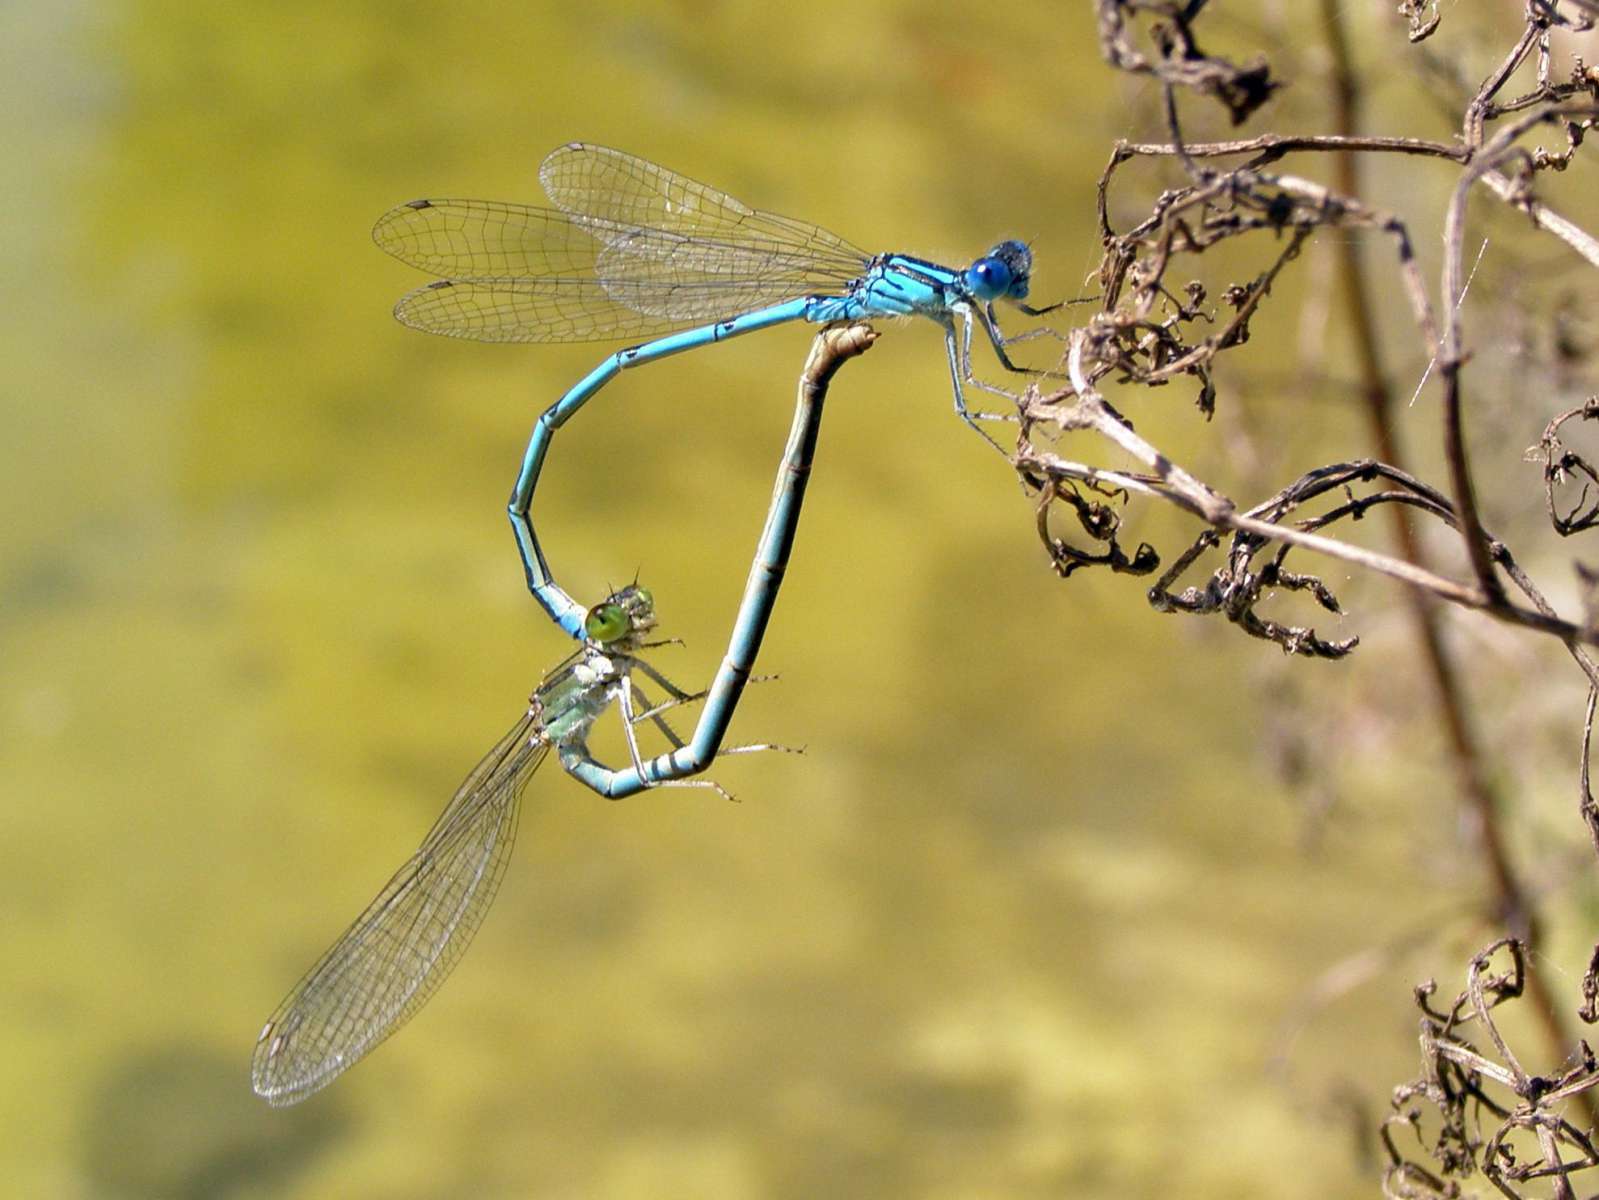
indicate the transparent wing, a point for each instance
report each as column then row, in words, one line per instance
column 485, row 239
column 517, row 273
column 397, row 953
column 613, row 188
column 571, row 310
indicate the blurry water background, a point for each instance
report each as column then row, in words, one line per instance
column 1030, row 918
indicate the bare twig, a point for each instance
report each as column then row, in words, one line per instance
column 1491, row 1114
column 1158, row 325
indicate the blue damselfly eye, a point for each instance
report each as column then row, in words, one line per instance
column 1018, row 260
column 989, row 278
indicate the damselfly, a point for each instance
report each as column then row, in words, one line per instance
column 632, row 249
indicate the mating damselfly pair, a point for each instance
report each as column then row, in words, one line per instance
column 630, row 250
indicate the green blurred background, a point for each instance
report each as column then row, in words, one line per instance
column 1031, row 917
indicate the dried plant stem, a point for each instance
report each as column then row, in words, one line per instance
column 1158, row 325
column 1473, row 779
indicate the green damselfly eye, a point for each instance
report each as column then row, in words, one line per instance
column 606, row 623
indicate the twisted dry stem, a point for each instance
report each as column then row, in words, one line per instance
column 1475, row 1106
column 1155, row 327
column 1144, row 333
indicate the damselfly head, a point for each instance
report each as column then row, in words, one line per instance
column 1004, row 273
column 621, row 617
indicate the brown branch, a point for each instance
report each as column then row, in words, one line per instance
column 1450, row 357
column 1155, row 328
column 1269, row 147
column 1474, row 780
column 1084, row 408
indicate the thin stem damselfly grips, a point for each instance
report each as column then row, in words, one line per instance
column 387, row 964
column 633, row 250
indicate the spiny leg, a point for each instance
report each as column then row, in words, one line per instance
column 755, row 747
column 969, row 317
column 697, row 783
column 678, row 696
column 631, row 716
column 999, row 339
column 652, row 713
column 628, row 721
column 959, row 365
column 616, row 785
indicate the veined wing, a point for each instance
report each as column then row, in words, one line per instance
column 517, row 273
column 564, row 310
column 397, row 953
column 617, row 189
column 490, row 239
column 487, row 239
